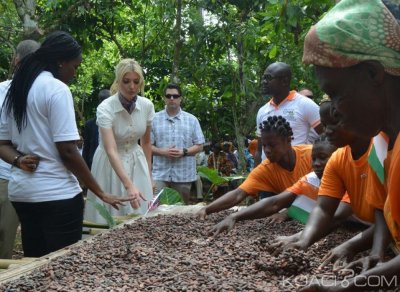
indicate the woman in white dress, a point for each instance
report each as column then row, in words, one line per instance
column 120, row 164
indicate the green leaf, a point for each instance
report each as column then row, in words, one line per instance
column 170, row 197
column 272, row 53
column 211, row 175
column 101, row 208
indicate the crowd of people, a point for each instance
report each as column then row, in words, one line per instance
column 360, row 73
column 322, row 165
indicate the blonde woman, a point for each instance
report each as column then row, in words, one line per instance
column 120, row 164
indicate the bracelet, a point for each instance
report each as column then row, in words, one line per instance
column 16, row 159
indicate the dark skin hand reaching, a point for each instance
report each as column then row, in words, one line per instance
column 261, row 209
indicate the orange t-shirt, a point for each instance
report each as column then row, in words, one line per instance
column 271, row 177
column 308, row 186
column 342, row 173
column 253, row 146
column 392, row 205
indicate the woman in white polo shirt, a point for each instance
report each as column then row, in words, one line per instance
column 38, row 136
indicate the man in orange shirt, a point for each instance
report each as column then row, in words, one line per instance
column 285, row 165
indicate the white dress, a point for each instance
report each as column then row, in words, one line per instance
column 127, row 129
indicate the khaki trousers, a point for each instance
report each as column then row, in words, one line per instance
column 8, row 222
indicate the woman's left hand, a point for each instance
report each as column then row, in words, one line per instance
column 114, row 201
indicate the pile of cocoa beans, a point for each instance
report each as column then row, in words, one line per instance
column 176, row 253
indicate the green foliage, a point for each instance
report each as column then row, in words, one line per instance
column 211, row 175
column 215, row 179
column 284, row 26
column 225, row 47
column 10, row 35
column 101, row 208
column 170, row 197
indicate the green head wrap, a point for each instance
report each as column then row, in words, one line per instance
column 354, row 31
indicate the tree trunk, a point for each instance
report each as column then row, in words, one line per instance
column 26, row 12
column 240, row 143
column 178, row 43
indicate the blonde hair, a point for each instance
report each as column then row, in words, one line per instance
column 123, row 67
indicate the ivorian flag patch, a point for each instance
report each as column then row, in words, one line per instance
column 301, row 208
column 378, row 154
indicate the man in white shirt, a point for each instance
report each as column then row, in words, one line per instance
column 8, row 217
column 301, row 112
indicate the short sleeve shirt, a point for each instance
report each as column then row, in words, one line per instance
column 127, row 128
column 342, row 173
column 181, row 131
column 50, row 119
column 271, row 177
column 301, row 112
column 308, row 186
column 392, row 205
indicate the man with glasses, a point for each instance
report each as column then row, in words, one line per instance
column 176, row 137
column 301, row 112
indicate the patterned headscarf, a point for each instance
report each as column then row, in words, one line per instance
column 354, row 31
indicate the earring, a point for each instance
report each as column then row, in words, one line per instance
column 59, row 65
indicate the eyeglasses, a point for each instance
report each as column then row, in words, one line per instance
column 174, row 96
column 270, row 77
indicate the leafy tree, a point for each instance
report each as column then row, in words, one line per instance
column 217, row 49
column 10, row 35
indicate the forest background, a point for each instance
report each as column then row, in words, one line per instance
column 216, row 49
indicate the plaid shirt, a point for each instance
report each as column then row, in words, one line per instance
column 183, row 131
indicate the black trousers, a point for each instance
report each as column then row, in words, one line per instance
column 50, row 226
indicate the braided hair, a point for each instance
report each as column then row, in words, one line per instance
column 58, row 47
column 277, row 125
column 322, row 139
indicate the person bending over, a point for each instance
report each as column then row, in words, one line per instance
column 285, row 165
column 299, row 198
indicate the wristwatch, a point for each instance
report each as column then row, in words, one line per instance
column 185, row 151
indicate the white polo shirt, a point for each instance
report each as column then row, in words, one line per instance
column 50, row 119
column 301, row 112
